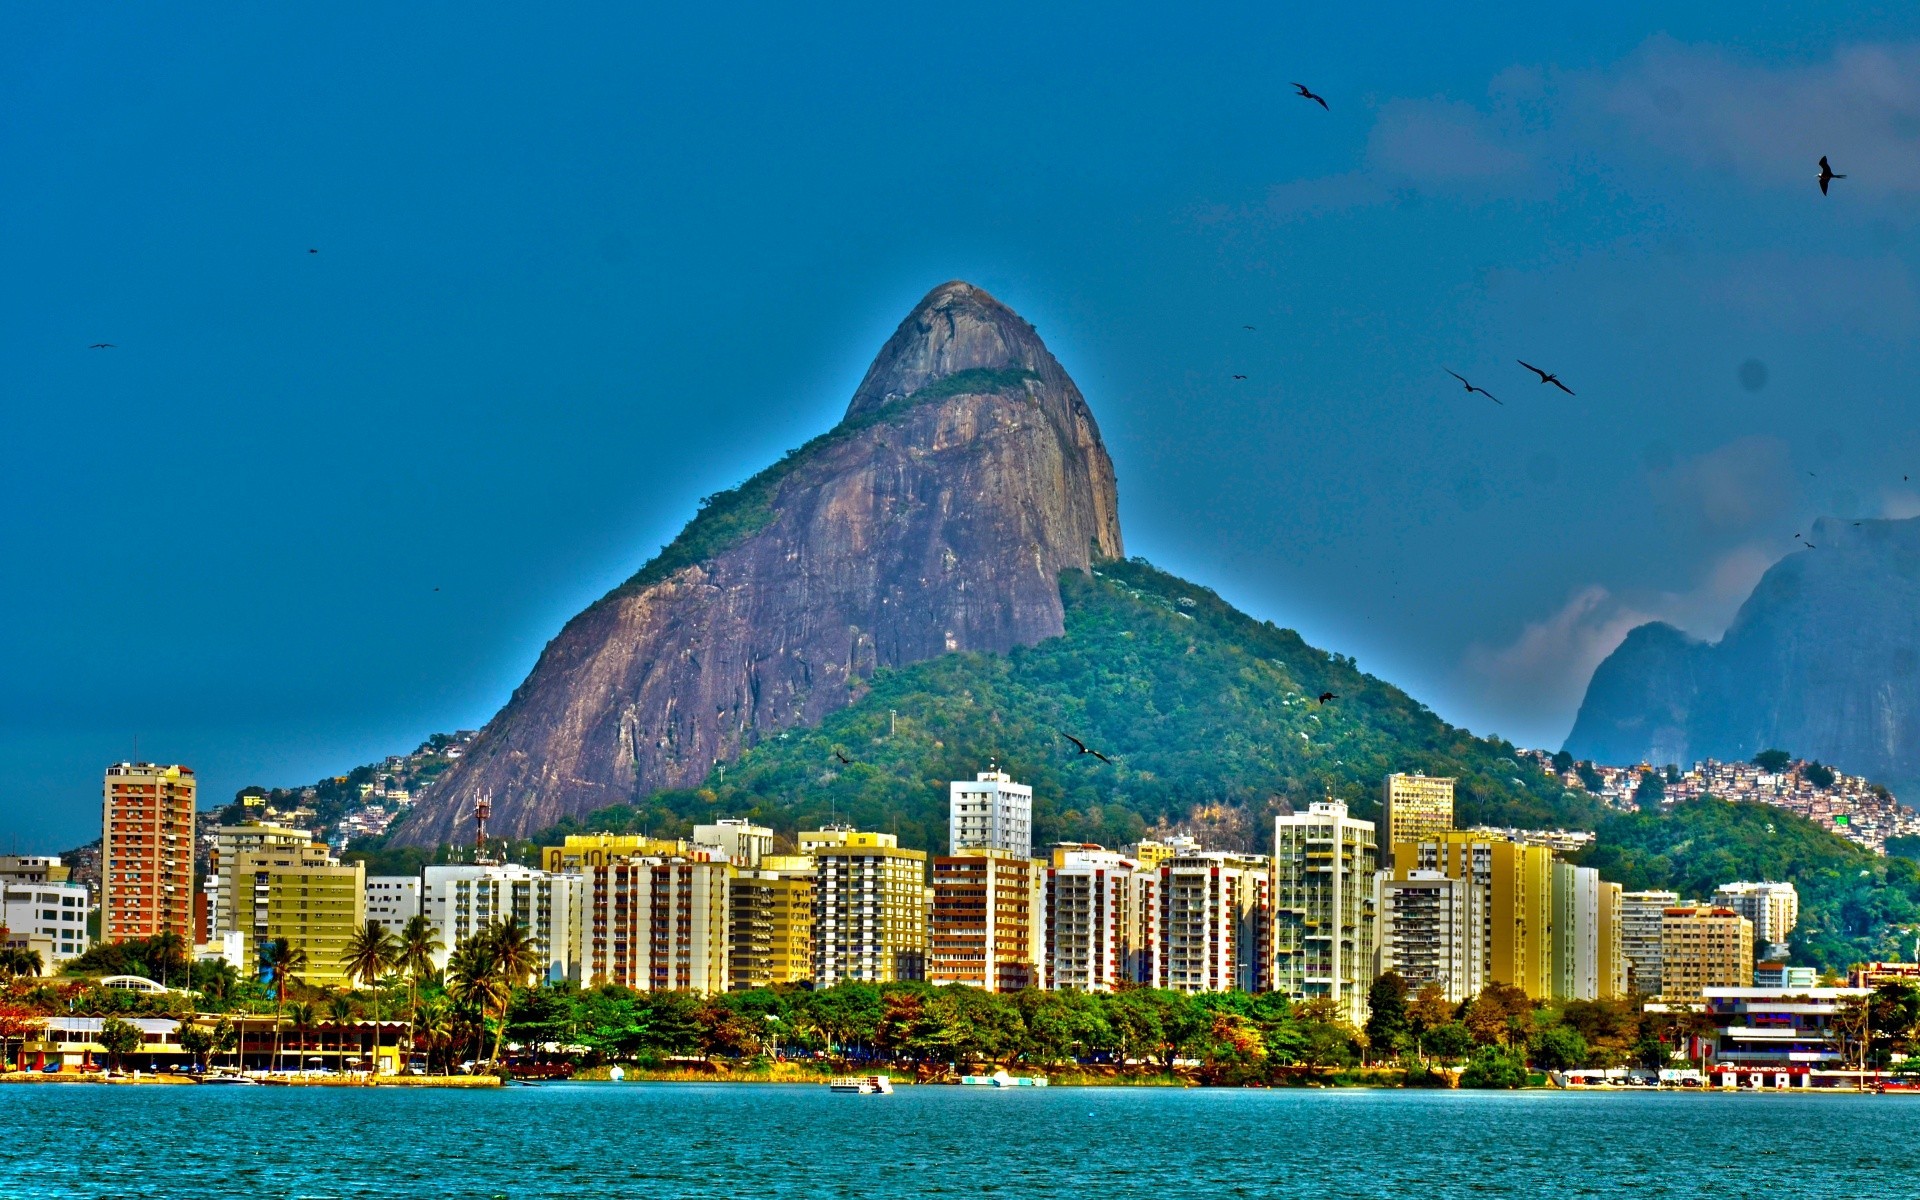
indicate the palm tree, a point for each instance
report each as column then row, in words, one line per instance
column 339, row 1011
column 515, row 959
column 371, row 952
column 473, row 977
column 302, row 1016
column 284, row 960
column 17, row 960
column 438, row 1021
column 419, row 943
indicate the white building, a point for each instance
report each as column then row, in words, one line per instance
column 1640, row 916
column 738, row 841
column 55, row 912
column 1102, row 922
column 990, row 812
column 1324, row 923
column 463, row 899
column 1774, row 909
column 1431, row 932
column 393, row 900
column 1579, row 969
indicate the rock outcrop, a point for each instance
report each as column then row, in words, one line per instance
column 1823, row 660
column 937, row 516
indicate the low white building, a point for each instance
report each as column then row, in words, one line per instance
column 55, row 912
column 990, row 812
column 740, row 842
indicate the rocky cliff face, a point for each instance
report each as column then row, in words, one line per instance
column 1823, row 660
column 966, row 475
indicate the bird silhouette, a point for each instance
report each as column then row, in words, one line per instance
column 1827, row 175
column 310, row 250
column 1246, row 327
column 1470, row 388
column 1326, row 696
column 1305, row 94
column 1545, row 376
column 1084, row 748
column 111, row 346
column 436, row 589
column 1239, row 376
column 844, row 760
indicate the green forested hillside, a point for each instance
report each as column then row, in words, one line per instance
column 1201, row 708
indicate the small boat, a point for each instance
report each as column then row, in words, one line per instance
column 1001, row 1079
column 861, row 1085
column 225, row 1077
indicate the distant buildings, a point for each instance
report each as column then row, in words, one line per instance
column 1641, row 914
column 1414, row 808
column 1517, row 937
column 1774, row 909
column 49, row 916
column 990, row 812
column 1780, row 975
column 146, row 852
column 1324, row 923
column 1776, row 1036
column 231, row 841
column 740, row 842
column 1703, row 946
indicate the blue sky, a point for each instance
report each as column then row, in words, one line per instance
column 575, row 271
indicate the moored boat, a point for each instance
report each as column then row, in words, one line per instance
column 863, row 1085
column 1001, row 1079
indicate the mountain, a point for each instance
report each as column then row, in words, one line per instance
column 936, row 517
column 1211, row 718
column 1822, row 660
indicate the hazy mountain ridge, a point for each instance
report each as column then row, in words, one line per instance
column 1823, row 660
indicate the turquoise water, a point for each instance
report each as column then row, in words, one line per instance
column 600, row 1141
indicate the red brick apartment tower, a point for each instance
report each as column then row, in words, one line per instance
column 146, row 852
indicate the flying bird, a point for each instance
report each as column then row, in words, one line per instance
column 1827, row 175
column 1470, row 388
column 311, row 250
column 1545, row 376
column 1084, row 748
column 1246, row 327
column 1326, row 696
column 844, row 760
column 1305, row 94
column 1239, row 376
column 111, row 346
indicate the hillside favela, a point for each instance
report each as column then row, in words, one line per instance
column 457, row 748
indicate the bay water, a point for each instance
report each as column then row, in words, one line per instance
column 601, row 1141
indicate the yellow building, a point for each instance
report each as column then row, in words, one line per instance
column 316, row 909
column 773, row 923
column 1518, row 942
column 988, row 925
column 584, row 851
column 869, row 907
column 1415, row 808
column 1702, row 946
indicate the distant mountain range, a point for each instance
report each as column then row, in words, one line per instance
column 1823, row 661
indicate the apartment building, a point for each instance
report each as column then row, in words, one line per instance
column 146, row 852
column 772, row 935
column 50, row 915
column 314, row 908
column 1102, row 920
column 1324, row 922
column 229, row 842
column 1414, row 808
column 870, row 907
column 1703, row 946
column 1433, row 931
column 1640, row 916
column 1216, row 923
column 1518, row 932
column 462, row 899
column 1773, row 908
column 740, row 842
column 393, row 900
column 1587, row 962
column 987, row 928
column 990, row 812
